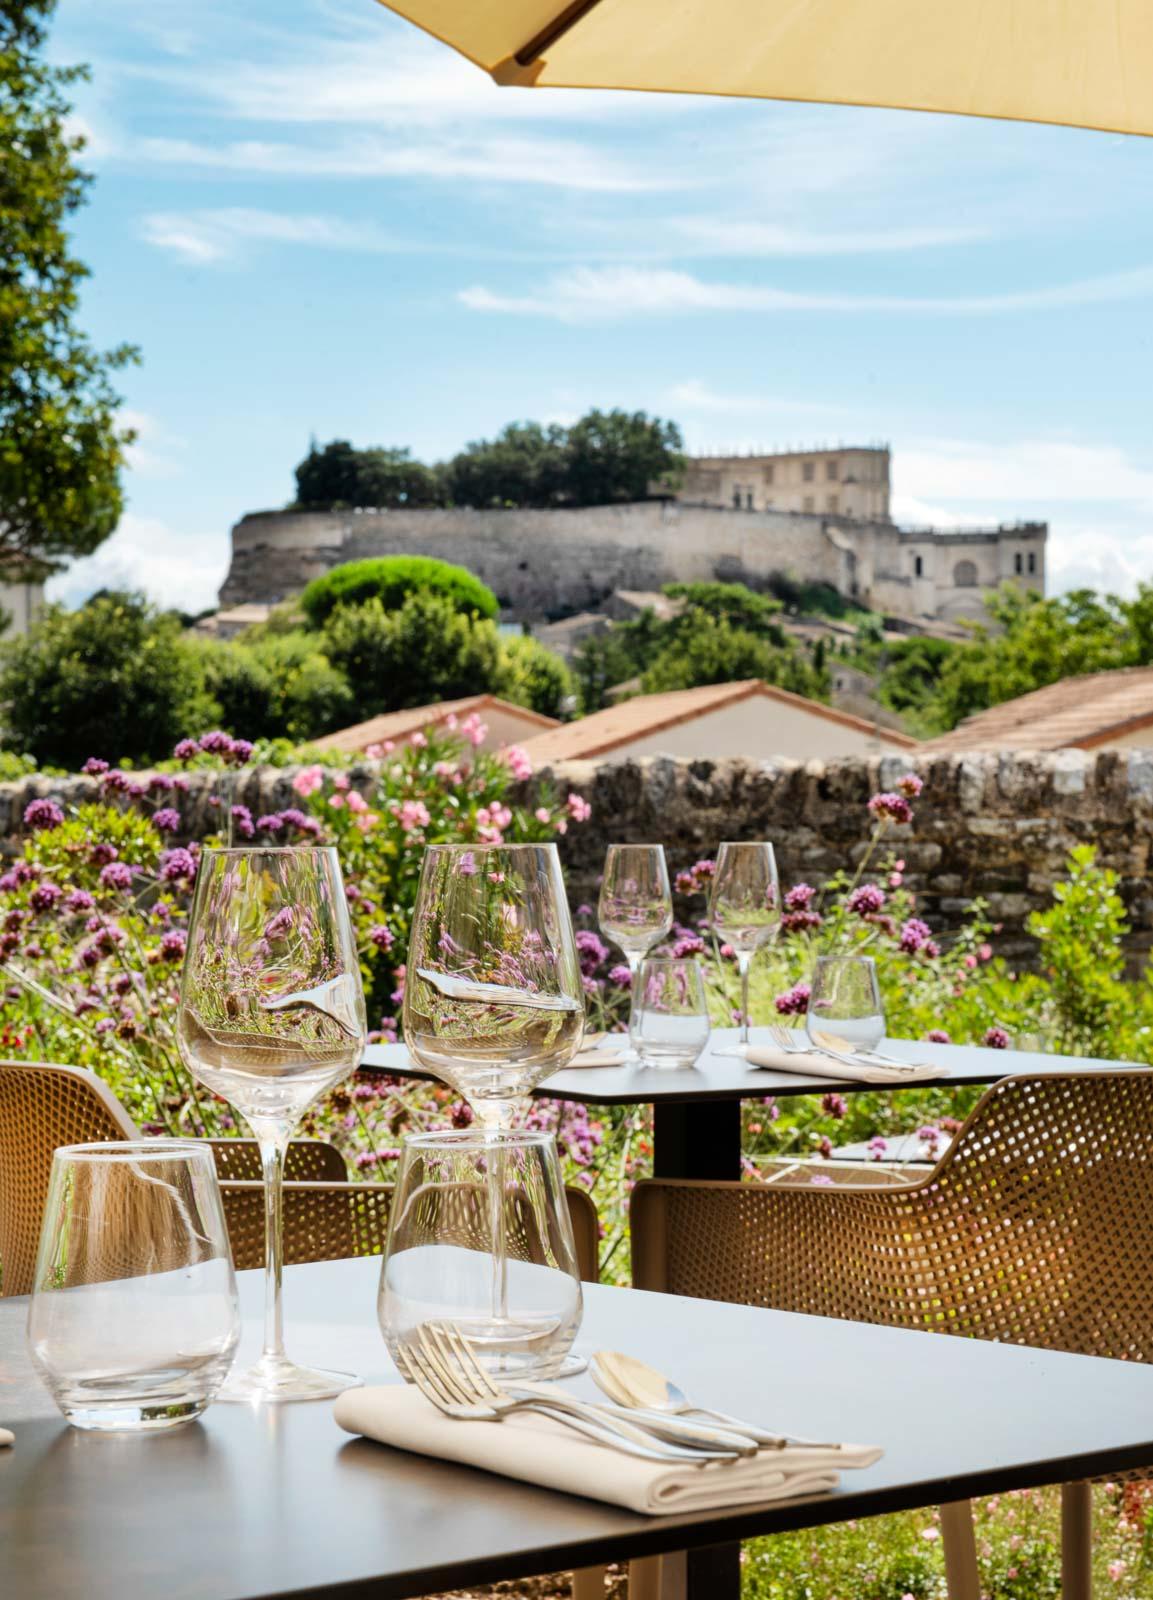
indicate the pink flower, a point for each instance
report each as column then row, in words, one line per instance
column 474, row 730
column 452, row 722
column 519, row 762
column 419, row 740
column 336, row 801
column 866, row 900
column 356, row 802
column 895, row 880
column 910, row 785
column 1116, row 1570
column 501, row 816
column 373, row 752
column 308, row 780
column 381, row 937
column 891, row 807
column 367, row 822
column 578, row 808
column 969, row 961
column 541, row 813
column 414, row 814
column 985, row 952
column 341, row 781
column 996, row 1039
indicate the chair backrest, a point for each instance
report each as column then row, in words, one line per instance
column 1035, row 1228
column 307, row 1161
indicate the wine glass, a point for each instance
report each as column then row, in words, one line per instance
column 635, row 909
column 845, row 1011
column 493, row 1000
column 745, row 911
column 271, row 1015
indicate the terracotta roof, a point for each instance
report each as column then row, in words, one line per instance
column 647, row 714
column 397, row 725
column 1077, row 713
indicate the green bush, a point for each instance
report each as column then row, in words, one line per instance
column 713, row 651
column 425, row 651
column 310, row 696
column 117, row 675
column 391, row 580
column 535, row 677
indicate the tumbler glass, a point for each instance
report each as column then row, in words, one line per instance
column 669, row 1018
column 455, row 1193
column 134, row 1316
column 845, row 1010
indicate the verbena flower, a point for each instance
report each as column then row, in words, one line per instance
column 116, row 875
column 186, row 750
column 914, row 935
column 798, row 922
column 178, row 865
column 996, row 1039
column 590, row 950
column 795, row 1001
column 910, row 785
column 173, row 944
column 799, row 897
column 938, row 1036
column 42, row 814
column 621, row 975
column 866, row 900
column 94, row 767
column 167, row 819
column 894, row 807
column 242, row 822
column 382, row 937
column 834, row 1105
column 45, row 897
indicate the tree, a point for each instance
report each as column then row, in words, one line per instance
column 621, row 456
column 535, row 676
column 391, row 580
column 328, row 478
column 117, row 676
column 338, row 475
column 425, row 651
column 711, row 650
column 61, row 452
column 525, row 465
column 734, row 603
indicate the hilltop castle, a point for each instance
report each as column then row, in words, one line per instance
column 819, row 515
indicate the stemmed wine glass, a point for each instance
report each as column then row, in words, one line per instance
column 635, row 909
column 271, row 1015
column 745, row 911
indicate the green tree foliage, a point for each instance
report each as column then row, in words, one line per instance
column 279, row 686
column 424, row 651
column 713, row 651
column 60, row 449
column 117, row 675
column 733, row 603
column 338, row 476
column 619, row 456
column 391, row 580
column 912, row 671
column 535, row 677
column 525, row 465
column 1081, row 955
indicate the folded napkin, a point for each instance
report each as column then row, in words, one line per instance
column 6, row 1438
column 597, row 1058
column 812, row 1062
column 538, row 1450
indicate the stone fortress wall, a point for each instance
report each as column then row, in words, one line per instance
column 996, row 826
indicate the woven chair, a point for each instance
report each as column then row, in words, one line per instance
column 1035, row 1228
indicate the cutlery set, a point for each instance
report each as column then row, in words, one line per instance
column 787, row 1039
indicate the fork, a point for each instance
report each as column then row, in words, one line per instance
column 785, row 1039
column 444, row 1368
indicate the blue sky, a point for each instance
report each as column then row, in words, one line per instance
column 316, row 221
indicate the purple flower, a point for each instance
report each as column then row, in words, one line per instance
column 176, row 865
column 910, row 785
column 689, row 944
column 590, row 950
column 216, row 743
column 914, row 935
column 88, row 955
column 801, row 921
column 931, row 949
column 33, row 950
column 821, row 1180
column 292, row 818
column 383, row 938
column 996, row 1039
column 9, row 942
column 799, row 897
column 105, row 1025
column 242, row 822
column 161, row 911
column 242, row 751
column 173, row 945
column 271, row 824
column 115, row 780
column 186, row 750
column 160, row 783
column 8, row 882
column 891, row 807
column 938, row 1036
column 45, row 897
column 180, row 784
column 795, row 1001
column 621, row 975
column 116, row 875
column 877, row 1148
column 42, row 814
column 94, row 767
column 866, row 900
column 13, row 920
column 99, row 853
column 834, row 1105
column 167, row 819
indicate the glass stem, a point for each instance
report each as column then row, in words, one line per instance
column 272, row 1153
column 744, row 961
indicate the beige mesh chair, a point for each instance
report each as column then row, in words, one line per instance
column 1035, row 1228
column 325, row 1217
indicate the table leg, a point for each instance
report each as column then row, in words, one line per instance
column 697, row 1139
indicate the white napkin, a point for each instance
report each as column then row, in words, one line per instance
column 6, row 1438
column 810, row 1061
column 538, row 1450
column 597, row 1058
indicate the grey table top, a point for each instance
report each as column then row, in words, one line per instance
column 250, row 1504
column 720, row 1077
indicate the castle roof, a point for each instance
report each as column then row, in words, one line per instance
column 649, row 714
column 1083, row 713
column 507, row 723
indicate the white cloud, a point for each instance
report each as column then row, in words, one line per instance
column 725, row 237
column 1022, row 472
column 206, row 237
column 693, row 395
column 602, row 294
column 555, row 163
column 173, row 568
column 148, row 455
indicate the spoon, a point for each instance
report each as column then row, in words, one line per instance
column 631, row 1383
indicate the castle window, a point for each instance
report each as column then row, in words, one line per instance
column 769, row 473
column 1018, row 565
column 808, row 503
column 831, row 471
column 748, row 499
column 1032, row 562
column 807, row 470
column 832, row 502
column 737, row 498
column 918, row 567
column 965, row 575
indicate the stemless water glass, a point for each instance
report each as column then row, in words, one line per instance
column 134, row 1316
column 493, row 1000
column 745, row 911
column 669, row 1016
column 845, row 1011
column 438, row 1265
column 272, row 1015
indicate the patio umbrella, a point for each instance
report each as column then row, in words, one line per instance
column 1085, row 63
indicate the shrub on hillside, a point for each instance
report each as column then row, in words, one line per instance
column 391, row 580
column 425, row 651
column 534, row 676
column 713, row 651
column 116, row 675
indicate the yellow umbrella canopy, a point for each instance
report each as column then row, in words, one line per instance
column 1084, row 63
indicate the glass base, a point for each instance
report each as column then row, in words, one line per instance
column 274, row 1380
column 572, row 1366
column 738, row 1051
column 112, row 1418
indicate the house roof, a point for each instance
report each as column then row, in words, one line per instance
column 396, row 725
column 1077, row 713
column 647, row 714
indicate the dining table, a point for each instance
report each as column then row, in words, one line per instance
column 697, row 1110
column 258, row 1502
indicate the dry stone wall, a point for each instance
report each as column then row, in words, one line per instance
column 995, row 826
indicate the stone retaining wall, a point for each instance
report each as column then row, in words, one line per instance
column 996, row 826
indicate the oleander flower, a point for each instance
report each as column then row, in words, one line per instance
column 308, row 780
column 579, row 809
column 414, row 814
column 518, row 761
